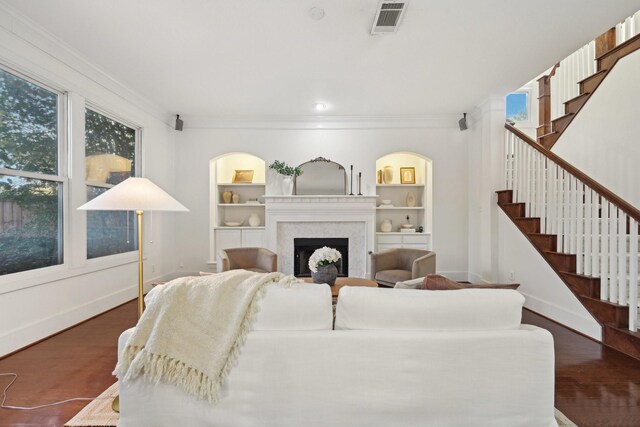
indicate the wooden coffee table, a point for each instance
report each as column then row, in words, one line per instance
column 346, row 281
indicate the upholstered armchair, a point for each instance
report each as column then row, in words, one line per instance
column 260, row 260
column 397, row 265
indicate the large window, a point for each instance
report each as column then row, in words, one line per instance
column 518, row 106
column 31, row 179
column 110, row 152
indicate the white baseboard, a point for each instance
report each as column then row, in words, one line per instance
column 576, row 321
column 475, row 278
column 27, row 334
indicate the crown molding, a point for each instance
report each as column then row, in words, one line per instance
column 29, row 32
column 319, row 122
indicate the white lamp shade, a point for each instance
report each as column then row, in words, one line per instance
column 134, row 194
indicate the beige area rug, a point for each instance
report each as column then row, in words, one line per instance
column 99, row 413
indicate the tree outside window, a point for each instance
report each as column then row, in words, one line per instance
column 30, row 181
column 110, row 151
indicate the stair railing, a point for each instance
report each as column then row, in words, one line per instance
column 628, row 28
column 583, row 63
column 590, row 221
column 575, row 67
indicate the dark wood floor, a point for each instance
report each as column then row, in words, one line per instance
column 75, row 363
column 595, row 386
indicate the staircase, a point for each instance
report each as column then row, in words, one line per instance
column 588, row 235
column 607, row 55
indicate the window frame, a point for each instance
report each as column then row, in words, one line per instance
column 89, row 105
column 71, row 107
column 61, row 178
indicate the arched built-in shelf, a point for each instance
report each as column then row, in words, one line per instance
column 230, row 221
column 397, row 193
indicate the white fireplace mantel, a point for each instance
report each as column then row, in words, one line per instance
column 353, row 217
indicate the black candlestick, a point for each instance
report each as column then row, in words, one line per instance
column 359, row 183
column 351, row 181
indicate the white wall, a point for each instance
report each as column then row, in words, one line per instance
column 604, row 139
column 486, row 133
column 544, row 292
column 38, row 303
column 360, row 147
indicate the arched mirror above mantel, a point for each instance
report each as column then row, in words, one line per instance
column 321, row 176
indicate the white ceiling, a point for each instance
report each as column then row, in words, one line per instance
column 257, row 58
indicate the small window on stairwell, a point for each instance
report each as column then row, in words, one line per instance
column 517, row 106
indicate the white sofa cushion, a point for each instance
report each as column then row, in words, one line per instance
column 302, row 307
column 463, row 310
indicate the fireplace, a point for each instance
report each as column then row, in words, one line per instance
column 303, row 248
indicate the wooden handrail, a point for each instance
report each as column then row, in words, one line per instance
column 619, row 47
column 604, row 192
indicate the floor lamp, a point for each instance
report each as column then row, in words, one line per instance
column 139, row 195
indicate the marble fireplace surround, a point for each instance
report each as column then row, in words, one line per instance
column 351, row 217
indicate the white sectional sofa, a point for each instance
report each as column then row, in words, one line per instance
column 395, row 358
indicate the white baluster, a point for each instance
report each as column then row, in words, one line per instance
column 586, row 231
column 551, row 197
column 573, row 215
column 604, row 249
column 507, row 160
column 527, row 177
column 613, row 253
column 566, row 226
column 633, row 275
column 541, row 191
column 579, row 227
column 560, row 207
column 623, row 291
column 596, row 234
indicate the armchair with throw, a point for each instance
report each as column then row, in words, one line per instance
column 400, row 264
column 260, row 260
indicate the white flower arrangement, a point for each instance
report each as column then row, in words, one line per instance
column 323, row 256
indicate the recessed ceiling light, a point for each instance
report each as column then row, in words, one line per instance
column 319, row 106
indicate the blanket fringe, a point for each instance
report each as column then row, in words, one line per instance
column 136, row 361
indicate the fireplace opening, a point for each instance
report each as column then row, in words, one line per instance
column 303, row 248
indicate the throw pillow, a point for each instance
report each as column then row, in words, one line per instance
column 436, row 282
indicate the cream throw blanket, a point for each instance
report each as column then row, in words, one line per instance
column 191, row 332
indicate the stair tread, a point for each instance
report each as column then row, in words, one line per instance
column 604, row 301
column 593, row 75
column 570, row 273
column 547, row 134
column 564, row 116
column 582, row 95
column 557, row 253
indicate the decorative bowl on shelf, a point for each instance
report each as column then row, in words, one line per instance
column 407, row 226
column 233, row 223
column 386, row 202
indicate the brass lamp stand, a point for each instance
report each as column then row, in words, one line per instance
column 115, row 405
column 135, row 194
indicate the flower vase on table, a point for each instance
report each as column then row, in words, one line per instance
column 322, row 264
column 325, row 274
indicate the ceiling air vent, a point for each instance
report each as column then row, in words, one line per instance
column 388, row 16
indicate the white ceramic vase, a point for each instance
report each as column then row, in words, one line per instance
column 254, row 220
column 386, row 226
column 411, row 199
column 287, row 185
column 273, row 185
